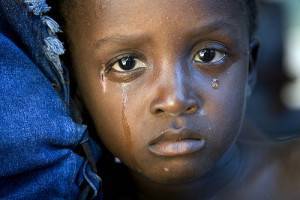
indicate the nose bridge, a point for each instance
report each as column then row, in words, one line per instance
column 176, row 86
column 173, row 96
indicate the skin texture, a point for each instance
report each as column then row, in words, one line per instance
column 171, row 89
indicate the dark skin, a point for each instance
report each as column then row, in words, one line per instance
column 144, row 68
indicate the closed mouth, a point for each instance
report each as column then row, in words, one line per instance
column 176, row 143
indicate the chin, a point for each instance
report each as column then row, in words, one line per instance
column 177, row 171
column 173, row 179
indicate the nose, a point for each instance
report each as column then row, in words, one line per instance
column 174, row 96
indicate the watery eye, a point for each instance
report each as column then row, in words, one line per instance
column 128, row 63
column 209, row 56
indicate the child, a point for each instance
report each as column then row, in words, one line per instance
column 165, row 83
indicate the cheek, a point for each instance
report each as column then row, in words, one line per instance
column 227, row 104
column 111, row 115
column 109, row 107
column 105, row 112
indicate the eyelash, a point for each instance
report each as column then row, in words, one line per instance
column 217, row 52
column 215, row 46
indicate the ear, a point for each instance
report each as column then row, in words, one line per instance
column 252, row 73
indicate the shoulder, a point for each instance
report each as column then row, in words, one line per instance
column 288, row 153
column 280, row 164
column 284, row 156
column 271, row 169
column 285, row 152
column 287, row 156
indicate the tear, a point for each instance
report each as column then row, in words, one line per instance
column 126, row 128
column 103, row 80
column 215, row 83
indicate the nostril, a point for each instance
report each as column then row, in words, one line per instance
column 158, row 111
column 174, row 106
column 191, row 109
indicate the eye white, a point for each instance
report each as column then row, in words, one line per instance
column 209, row 56
column 121, row 66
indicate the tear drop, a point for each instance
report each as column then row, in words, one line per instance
column 215, row 83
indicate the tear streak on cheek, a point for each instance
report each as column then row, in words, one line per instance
column 126, row 127
column 103, row 80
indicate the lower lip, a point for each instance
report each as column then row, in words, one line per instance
column 178, row 148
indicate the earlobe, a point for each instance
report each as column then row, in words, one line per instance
column 252, row 73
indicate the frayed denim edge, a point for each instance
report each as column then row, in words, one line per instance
column 53, row 47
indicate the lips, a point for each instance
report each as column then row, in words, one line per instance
column 176, row 143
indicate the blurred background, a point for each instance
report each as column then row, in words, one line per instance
column 275, row 103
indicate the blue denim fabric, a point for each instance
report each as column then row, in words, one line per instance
column 31, row 30
column 37, row 135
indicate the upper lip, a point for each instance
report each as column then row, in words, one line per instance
column 175, row 135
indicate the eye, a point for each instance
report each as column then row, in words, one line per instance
column 209, row 56
column 127, row 63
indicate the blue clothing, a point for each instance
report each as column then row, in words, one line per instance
column 38, row 138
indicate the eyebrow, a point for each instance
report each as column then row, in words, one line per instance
column 213, row 27
column 118, row 38
column 138, row 37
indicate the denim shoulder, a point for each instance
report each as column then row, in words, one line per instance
column 38, row 138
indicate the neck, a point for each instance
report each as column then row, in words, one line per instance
column 207, row 186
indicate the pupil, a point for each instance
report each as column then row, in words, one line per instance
column 127, row 63
column 207, row 55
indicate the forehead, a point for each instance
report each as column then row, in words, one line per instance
column 154, row 7
column 142, row 13
column 160, row 20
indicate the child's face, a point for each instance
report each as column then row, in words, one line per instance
column 178, row 67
